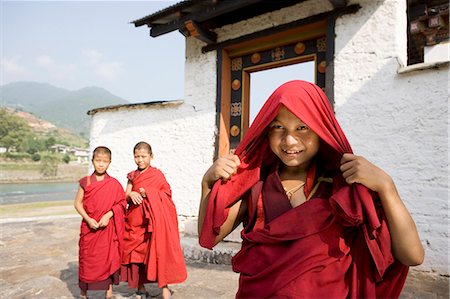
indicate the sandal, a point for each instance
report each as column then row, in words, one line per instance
column 141, row 295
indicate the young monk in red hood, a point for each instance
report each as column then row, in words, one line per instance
column 319, row 221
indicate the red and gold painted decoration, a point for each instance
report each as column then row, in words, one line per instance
column 234, row 131
column 236, row 109
column 321, row 44
column 299, row 48
column 255, row 58
column 236, row 84
column 278, row 54
column 322, row 66
column 236, row 64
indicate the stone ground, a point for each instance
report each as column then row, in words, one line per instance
column 39, row 259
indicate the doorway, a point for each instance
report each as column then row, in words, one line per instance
column 263, row 83
column 249, row 71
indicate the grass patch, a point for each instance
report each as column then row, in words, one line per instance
column 20, row 166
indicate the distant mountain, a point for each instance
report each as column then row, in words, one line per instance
column 29, row 95
column 62, row 107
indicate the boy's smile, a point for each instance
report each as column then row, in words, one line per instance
column 291, row 140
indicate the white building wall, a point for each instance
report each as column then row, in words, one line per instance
column 398, row 121
column 181, row 140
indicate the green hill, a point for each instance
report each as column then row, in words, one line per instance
column 62, row 107
column 26, row 133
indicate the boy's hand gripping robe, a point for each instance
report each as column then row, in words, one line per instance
column 327, row 247
column 100, row 252
column 163, row 256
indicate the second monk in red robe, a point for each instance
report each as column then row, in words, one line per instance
column 152, row 250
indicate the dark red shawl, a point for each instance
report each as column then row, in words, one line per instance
column 101, row 250
column 163, row 258
column 371, row 270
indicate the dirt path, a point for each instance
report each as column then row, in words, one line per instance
column 39, row 255
column 39, row 259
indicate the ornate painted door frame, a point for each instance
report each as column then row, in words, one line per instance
column 238, row 61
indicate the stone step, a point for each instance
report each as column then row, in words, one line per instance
column 221, row 253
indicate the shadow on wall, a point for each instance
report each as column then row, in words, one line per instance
column 398, row 122
column 349, row 25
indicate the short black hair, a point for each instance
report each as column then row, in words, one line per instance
column 101, row 150
column 143, row 145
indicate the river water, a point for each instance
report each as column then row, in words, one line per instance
column 25, row 193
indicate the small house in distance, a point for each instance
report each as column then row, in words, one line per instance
column 81, row 154
column 383, row 64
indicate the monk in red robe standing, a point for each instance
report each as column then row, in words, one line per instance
column 100, row 200
column 152, row 250
column 319, row 221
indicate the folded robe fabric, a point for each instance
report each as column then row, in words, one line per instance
column 370, row 269
column 163, row 256
column 101, row 250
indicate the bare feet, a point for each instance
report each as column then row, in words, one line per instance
column 83, row 294
column 108, row 293
column 166, row 293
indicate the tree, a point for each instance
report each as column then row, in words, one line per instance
column 49, row 166
column 49, row 142
column 66, row 159
column 31, row 144
column 13, row 129
column 36, row 157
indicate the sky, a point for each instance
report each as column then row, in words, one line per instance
column 75, row 44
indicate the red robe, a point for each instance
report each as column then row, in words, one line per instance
column 100, row 251
column 327, row 247
column 157, row 216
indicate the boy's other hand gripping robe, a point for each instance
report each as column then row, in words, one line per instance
column 405, row 239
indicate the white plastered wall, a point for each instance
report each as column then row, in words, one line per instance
column 398, row 121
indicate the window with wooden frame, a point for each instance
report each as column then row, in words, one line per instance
column 428, row 31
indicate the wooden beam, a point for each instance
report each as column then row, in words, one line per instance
column 194, row 29
column 273, row 30
column 338, row 3
column 216, row 10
